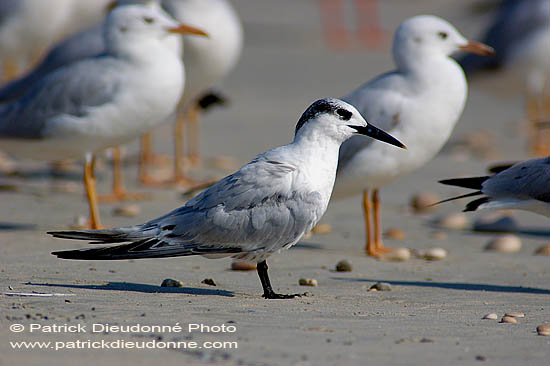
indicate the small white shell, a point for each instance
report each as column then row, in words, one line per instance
column 455, row 221
column 307, row 282
column 507, row 243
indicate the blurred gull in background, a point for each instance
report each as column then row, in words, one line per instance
column 520, row 35
column 207, row 62
column 419, row 103
column 103, row 101
column 29, row 27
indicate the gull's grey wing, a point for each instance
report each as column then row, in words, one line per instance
column 384, row 113
column 85, row 44
column 254, row 209
column 514, row 22
column 527, row 180
column 8, row 8
column 70, row 90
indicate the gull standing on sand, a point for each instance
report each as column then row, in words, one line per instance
column 520, row 35
column 266, row 206
column 419, row 103
column 102, row 101
column 81, row 45
column 27, row 27
column 523, row 186
column 207, row 62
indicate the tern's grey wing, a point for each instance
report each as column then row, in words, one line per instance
column 515, row 21
column 255, row 209
column 79, row 46
column 380, row 104
column 527, row 180
column 70, row 90
column 252, row 210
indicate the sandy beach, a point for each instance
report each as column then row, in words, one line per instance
column 87, row 312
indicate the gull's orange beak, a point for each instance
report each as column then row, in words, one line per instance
column 478, row 48
column 187, row 29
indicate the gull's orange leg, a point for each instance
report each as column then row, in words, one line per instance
column 146, row 160
column 90, row 184
column 193, row 120
column 120, row 193
column 10, row 69
column 378, row 246
column 538, row 119
column 367, row 207
column 146, row 149
column 542, row 133
column 179, row 151
column 144, row 157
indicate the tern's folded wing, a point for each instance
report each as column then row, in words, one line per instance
column 527, row 180
column 257, row 207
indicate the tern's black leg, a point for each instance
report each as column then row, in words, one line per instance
column 264, row 279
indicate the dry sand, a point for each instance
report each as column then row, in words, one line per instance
column 433, row 314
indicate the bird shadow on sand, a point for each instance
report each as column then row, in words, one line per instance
column 139, row 287
column 310, row 246
column 457, row 286
column 12, row 226
column 522, row 231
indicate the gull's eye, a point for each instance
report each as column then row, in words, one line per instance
column 149, row 20
column 344, row 114
column 443, row 35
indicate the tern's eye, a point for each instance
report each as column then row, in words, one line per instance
column 344, row 114
column 149, row 20
column 443, row 35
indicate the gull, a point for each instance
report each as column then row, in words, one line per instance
column 520, row 34
column 27, row 27
column 419, row 103
column 81, row 45
column 85, row 14
column 264, row 207
column 524, row 186
column 102, row 101
column 207, row 60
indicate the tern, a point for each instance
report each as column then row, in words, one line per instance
column 523, row 186
column 264, row 207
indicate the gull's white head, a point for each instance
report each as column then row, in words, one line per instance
column 133, row 27
column 427, row 36
column 337, row 120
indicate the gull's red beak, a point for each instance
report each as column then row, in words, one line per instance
column 187, row 29
column 478, row 48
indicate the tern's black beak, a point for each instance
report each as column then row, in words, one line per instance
column 378, row 134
